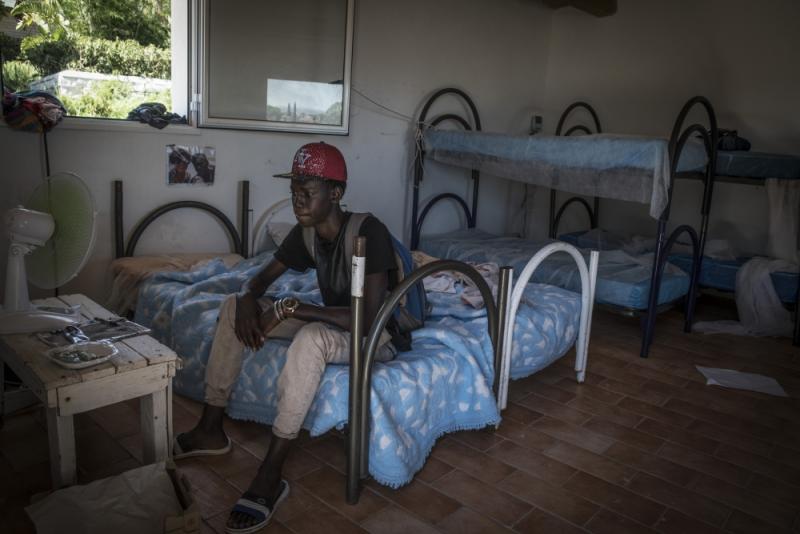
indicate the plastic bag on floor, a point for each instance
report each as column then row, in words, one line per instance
column 134, row 502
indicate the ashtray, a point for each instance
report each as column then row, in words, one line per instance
column 80, row 355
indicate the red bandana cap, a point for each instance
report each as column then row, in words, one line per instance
column 318, row 160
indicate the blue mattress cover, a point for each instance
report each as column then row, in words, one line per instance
column 625, row 285
column 442, row 385
column 762, row 165
column 721, row 275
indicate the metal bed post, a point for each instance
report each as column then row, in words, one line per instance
column 796, row 336
column 418, row 217
column 356, row 425
column 677, row 141
column 594, row 214
column 359, row 456
column 245, row 218
column 119, row 239
column 503, row 295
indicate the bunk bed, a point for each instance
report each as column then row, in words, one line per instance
column 620, row 167
column 734, row 166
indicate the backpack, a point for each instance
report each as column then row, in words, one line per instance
column 410, row 314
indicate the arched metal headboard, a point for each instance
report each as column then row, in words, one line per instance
column 239, row 242
column 417, row 216
column 594, row 212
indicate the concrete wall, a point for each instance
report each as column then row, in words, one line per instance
column 638, row 67
column 402, row 52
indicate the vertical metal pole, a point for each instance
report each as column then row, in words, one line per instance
column 502, row 317
column 551, row 231
column 356, row 369
column 596, row 218
column 119, row 241
column 245, row 224
column 655, row 285
column 796, row 337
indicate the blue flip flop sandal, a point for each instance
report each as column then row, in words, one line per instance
column 257, row 508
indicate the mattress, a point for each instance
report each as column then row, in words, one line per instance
column 622, row 280
column 621, row 167
column 721, row 275
column 745, row 164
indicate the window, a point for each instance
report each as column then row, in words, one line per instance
column 274, row 64
column 102, row 58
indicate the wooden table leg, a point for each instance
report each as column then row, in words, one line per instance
column 155, row 420
column 61, row 435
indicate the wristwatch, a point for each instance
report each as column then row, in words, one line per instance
column 289, row 305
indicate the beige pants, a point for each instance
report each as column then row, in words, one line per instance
column 314, row 345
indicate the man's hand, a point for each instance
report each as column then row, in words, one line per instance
column 268, row 321
column 248, row 321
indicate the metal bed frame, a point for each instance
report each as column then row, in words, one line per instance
column 362, row 357
column 664, row 243
column 239, row 242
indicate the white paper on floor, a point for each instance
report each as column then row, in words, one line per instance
column 736, row 379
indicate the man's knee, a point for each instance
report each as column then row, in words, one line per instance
column 227, row 312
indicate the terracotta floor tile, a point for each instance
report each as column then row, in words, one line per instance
column 483, row 498
column 118, row 420
column 786, row 455
column 520, row 414
column 656, row 413
column 759, row 464
column 476, row 463
column 611, row 412
column 691, row 504
column 466, row 521
column 212, row 494
column 705, row 464
column 741, row 523
column 323, row 519
column 726, row 435
column 478, row 439
column 329, row 449
column 615, row 498
column 607, row 522
column 674, row 522
column 299, row 502
column 577, row 435
column 597, row 393
column 420, row 499
column 236, row 461
column 328, row 485
column 637, row 392
column 533, row 462
column 652, row 464
column 552, row 393
column 540, row 522
column 592, row 463
column 746, row 501
column 525, row 436
column 624, row 434
column 554, row 409
column 392, row 520
column 730, row 422
column 678, row 435
column 539, row 493
column 433, row 470
column 776, row 490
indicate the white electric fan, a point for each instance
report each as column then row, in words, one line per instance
column 56, row 231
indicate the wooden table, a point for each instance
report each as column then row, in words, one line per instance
column 143, row 368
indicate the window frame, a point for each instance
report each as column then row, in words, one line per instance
column 200, row 87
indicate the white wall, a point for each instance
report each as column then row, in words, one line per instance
column 402, row 52
column 639, row 66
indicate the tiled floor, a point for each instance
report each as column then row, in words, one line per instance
column 642, row 446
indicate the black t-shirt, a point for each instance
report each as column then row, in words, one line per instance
column 333, row 268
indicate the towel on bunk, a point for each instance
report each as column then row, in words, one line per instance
column 442, row 385
column 620, row 167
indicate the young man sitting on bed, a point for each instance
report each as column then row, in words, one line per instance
column 320, row 334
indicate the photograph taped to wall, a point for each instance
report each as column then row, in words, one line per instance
column 190, row 165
